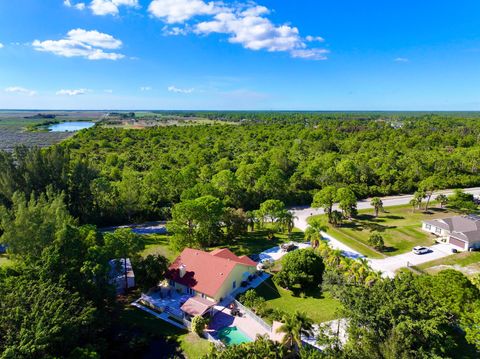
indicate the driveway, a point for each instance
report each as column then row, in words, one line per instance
column 302, row 213
column 388, row 266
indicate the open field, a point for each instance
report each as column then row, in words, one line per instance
column 399, row 226
column 320, row 307
column 465, row 262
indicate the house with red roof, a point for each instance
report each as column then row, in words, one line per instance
column 209, row 276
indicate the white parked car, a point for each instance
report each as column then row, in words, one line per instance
column 420, row 250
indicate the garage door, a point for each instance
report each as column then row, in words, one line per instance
column 457, row 242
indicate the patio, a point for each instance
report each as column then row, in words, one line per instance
column 164, row 297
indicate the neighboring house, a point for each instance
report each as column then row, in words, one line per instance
column 209, row 276
column 117, row 274
column 460, row 231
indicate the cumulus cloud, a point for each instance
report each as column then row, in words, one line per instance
column 180, row 90
column 110, row 7
column 1, row 46
column 401, row 59
column 145, row 88
column 78, row 6
column 178, row 11
column 82, row 43
column 65, row 92
column 20, row 90
column 245, row 24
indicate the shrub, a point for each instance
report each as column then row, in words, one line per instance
column 376, row 241
column 198, row 324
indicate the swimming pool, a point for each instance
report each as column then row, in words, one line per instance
column 233, row 336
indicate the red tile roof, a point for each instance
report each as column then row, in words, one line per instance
column 227, row 254
column 206, row 272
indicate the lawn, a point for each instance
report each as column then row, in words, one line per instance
column 466, row 262
column 320, row 307
column 248, row 244
column 399, row 226
column 166, row 340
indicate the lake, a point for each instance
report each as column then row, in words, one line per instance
column 70, row 126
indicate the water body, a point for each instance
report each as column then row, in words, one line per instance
column 70, row 126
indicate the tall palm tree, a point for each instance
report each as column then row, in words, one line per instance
column 294, row 327
column 377, row 205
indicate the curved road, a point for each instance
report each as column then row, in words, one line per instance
column 388, row 265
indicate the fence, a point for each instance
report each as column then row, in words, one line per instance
column 216, row 342
column 252, row 315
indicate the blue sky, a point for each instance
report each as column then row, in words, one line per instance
column 264, row 55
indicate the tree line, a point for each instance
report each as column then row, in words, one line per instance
column 112, row 175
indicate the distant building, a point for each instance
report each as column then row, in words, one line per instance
column 117, row 274
column 460, row 231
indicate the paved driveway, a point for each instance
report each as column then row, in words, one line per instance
column 389, row 265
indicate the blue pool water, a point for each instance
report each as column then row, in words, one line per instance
column 70, row 126
column 233, row 336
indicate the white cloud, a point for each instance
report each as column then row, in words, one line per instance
column 180, row 90
column 77, row 92
column 310, row 54
column 1, row 46
column 179, row 11
column 246, row 24
column 175, row 31
column 82, row 43
column 110, row 7
column 108, row 91
column 78, row 6
column 254, row 31
column 401, row 59
column 20, row 90
column 145, row 88
column 310, row 38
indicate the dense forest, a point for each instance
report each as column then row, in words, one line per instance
column 112, row 175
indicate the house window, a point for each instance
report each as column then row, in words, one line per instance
column 172, row 283
column 438, row 230
column 190, row 291
column 427, row 226
column 234, row 284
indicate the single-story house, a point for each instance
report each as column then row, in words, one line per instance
column 208, row 277
column 117, row 274
column 460, row 231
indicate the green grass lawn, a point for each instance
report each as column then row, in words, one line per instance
column 320, row 307
column 248, row 244
column 467, row 262
column 399, row 226
column 170, row 339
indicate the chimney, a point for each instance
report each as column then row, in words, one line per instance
column 182, row 269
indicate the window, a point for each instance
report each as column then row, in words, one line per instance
column 234, row 284
column 438, row 230
column 190, row 291
column 427, row 226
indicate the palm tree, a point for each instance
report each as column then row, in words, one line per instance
column 288, row 220
column 377, row 204
column 294, row 327
column 442, row 199
column 414, row 203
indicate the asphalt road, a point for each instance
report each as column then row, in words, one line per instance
column 387, row 265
